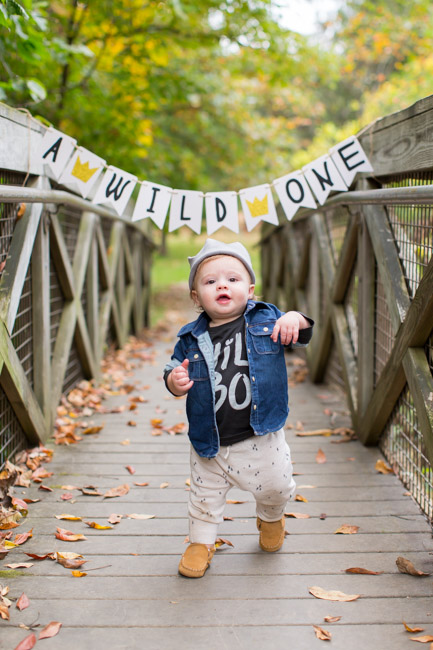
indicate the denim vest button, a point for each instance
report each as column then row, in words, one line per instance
column 266, row 329
column 255, row 406
column 196, row 356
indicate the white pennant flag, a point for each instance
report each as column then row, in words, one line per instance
column 349, row 158
column 323, row 178
column 258, row 205
column 115, row 188
column 186, row 210
column 221, row 210
column 153, row 201
column 82, row 171
column 294, row 193
column 54, row 151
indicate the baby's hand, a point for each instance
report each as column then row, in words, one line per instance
column 178, row 380
column 288, row 326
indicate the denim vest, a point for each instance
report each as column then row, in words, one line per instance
column 268, row 375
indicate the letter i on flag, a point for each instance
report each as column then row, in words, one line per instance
column 294, row 193
column 115, row 188
column 186, row 210
column 221, row 210
column 258, row 205
column 82, row 171
column 54, row 152
column 153, row 201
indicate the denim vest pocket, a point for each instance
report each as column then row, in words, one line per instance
column 197, row 368
column 261, row 337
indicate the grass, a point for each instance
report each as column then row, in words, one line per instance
column 173, row 269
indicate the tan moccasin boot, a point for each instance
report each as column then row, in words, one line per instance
column 272, row 534
column 195, row 560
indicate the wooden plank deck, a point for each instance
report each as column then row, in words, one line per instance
column 247, row 599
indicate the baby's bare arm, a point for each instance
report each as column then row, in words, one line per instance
column 178, row 380
column 288, row 326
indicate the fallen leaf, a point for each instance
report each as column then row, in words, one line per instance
column 220, row 542
column 68, row 517
column 359, row 570
column 228, row 518
column 137, row 516
column 78, row 574
column 23, row 537
column 297, row 515
column 20, row 565
column 22, row 602
column 339, row 596
column 27, row 643
column 69, row 536
column 67, row 496
column 114, row 519
column 93, row 524
column 47, row 556
column 69, row 487
column 91, row 430
column 91, row 491
column 428, row 638
column 346, row 529
column 156, row 422
column 130, row 469
column 406, row 566
column 299, row 497
column 50, row 630
column 131, row 423
column 188, row 482
column 413, row 630
column 316, row 432
column 331, row 619
column 322, row 634
column 118, row 491
column 164, row 485
column 126, row 442
column 70, row 560
column 156, row 432
column 46, row 488
column 141, row 484
column 234, row 501
column 4, row 612
column 320, row 457
column 383, row 468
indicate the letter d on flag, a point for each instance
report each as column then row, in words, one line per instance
column 221, row 210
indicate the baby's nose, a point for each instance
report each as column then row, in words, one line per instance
column 222, row 283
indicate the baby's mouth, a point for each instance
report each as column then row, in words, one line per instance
column 224, row 297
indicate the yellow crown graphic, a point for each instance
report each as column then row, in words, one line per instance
column 259, row 207
column 83, row 171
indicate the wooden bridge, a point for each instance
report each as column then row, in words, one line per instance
column 75, row 278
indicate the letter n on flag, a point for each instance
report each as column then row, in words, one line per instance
column 221, row 210
column 115, row 188
column 323, row 178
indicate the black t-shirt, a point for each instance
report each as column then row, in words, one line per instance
column 232, row 382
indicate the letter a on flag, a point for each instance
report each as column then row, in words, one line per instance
column 54, row 152
column 221, row 210
column 115, row 188
column 153, row 201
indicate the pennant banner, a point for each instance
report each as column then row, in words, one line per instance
column 115, row 188
column 152, row 202
column 221, row 210
column 54, row 151
column 82, row 171
column 258, row 205
column 186, row 210
column 294, row 193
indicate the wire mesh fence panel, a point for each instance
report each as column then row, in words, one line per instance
column 74, row 370
column 403, row 445
column 334, row 370
column 22, row 333
column 57, row 303
column 12, row 435
column 69, row 220
column 336, row 221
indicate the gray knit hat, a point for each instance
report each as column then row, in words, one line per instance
column 213, row 247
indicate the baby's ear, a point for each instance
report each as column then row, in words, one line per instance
column 194, row 296
column 251, row 291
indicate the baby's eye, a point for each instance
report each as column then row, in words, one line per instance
column 210, row 281
column 233, row 280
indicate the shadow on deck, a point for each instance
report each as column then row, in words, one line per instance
column 133, row 597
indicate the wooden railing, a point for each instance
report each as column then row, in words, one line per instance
column 362, row 267
column 74, row 278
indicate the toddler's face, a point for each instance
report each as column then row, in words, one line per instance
column 222, row 288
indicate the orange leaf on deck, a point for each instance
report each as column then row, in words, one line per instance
column 299, row 497
column 114, row 519
column 78, row 574
column 69, row 536
column 361, row 571
column 23, row 537
column 70, row 563
column 234, row 501
column 68, row 517
column 413, row 630
column 320, row 457
column 130, row 469
column 4, row 612
column 164, row 485
column 315, row 432
column 428, row 638
column 346, row 529
column 93, row 524
column 406, row 566
column 331, row 619
column 47, row 556
column 22, row 602
column 91, row 430
column 131, row 423
column 338, row 596
column 20, row 565
column 220, row 542
column 27, row 643
column 383, row 468
column 156, row 422
column 322, row 634
column 141, row 484
column 156, row 432
column 118, row 491
column 297, row 515
column 50, row 630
